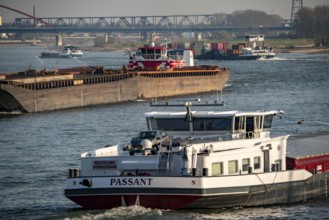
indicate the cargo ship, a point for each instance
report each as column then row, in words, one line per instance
column 202, row 159
column 240, row 51
column 151, row 73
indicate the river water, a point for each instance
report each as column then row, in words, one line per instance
column 36, row 150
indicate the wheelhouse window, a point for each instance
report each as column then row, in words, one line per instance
column 217, row 169
column 199, row 124
column 143, row 53
column 212, row 124
column 256, row 162
column 157, row 53
column 245, row 164
column 250, row 124
column 169, row 124
column 268, row 121
column 239, row 123
column 232, row 166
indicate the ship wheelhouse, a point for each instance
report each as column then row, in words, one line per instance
column 200, row 143
column 158, row 58
column 208, row 134
column 238, row 125
column 152, row 53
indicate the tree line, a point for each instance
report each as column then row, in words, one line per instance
column 254, row 19
column 314, row 23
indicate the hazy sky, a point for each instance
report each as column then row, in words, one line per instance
column 108, row 8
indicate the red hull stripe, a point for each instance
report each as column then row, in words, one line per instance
column 155, row 191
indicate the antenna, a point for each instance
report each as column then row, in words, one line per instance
column 296, row 5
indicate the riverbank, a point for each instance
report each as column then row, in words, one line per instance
column 279, row 49
column 283, row 49
column 307, row 50
column 310, row 50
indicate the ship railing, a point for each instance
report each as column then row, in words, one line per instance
column 45, row 85
column 207, row 139
column 245, row 135
column 74, row 82
column 178, row 142
column 175, row 57
column 179, row 73
column 105, row 79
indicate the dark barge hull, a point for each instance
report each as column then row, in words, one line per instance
column 283, row 193
column 36, row 94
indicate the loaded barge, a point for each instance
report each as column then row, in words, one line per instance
column 241, row 51
column 202, row 159
column 151, row 73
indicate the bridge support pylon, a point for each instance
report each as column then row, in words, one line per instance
column 59, row 40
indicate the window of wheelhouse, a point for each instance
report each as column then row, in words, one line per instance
column 239, row 123
column 143, row 53
column 268, row 121
column 212, row 124
column 168, row 124
column 150, row 53
column 157, row 53
column 253, row 123
column 249, row 124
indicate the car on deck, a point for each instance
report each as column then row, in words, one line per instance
column 156, row 138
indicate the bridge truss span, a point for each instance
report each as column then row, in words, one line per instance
column 130, row 22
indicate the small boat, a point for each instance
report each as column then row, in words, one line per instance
column 256, row 53
column 67, row 52
column 72, row 51
column 213, row 159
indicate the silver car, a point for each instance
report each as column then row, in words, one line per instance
column 156, row 137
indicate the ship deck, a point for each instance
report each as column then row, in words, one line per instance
column 308, row 146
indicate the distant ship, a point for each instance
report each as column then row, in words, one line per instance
column 241, row 51
column 151, row 73
column 67, row 52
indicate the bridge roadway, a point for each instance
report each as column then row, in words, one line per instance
column 172, row 23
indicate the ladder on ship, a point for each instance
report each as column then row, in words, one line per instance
column 164, row 163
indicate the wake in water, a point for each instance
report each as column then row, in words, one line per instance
column 79, row 61
column 41, row 61
column 131, row 212
column 273, row 59
column 297, row 211
column 11, row 113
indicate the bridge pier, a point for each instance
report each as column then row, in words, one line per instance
column 199, row 36
column 59, row 40
column 106, row 38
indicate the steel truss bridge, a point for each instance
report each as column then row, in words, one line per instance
column 130, row 24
